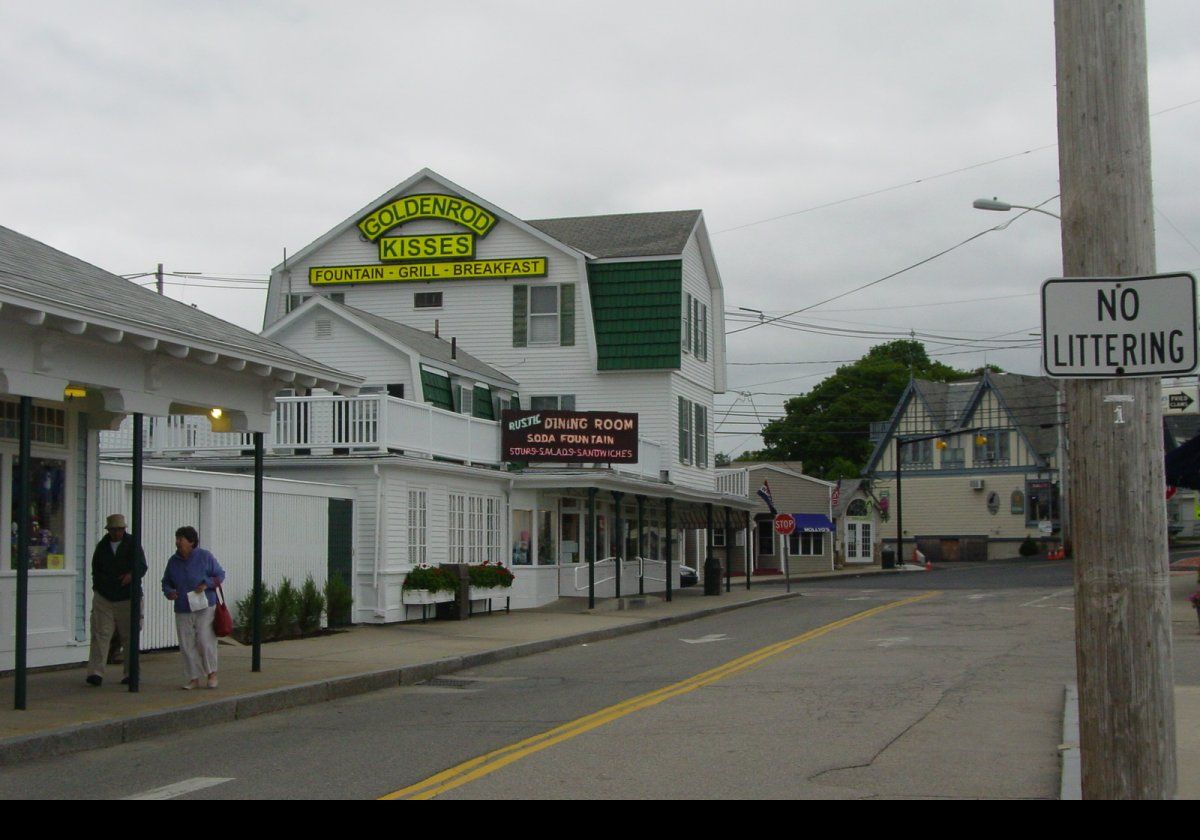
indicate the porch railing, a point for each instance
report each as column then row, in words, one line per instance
column 322, row 425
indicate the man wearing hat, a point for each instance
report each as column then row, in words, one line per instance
column 112, row 578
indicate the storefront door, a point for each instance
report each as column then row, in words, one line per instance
column 858, row 542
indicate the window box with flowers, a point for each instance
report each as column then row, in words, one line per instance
column 489, row 580
column 426, row 585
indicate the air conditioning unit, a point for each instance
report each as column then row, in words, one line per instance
column 976, row 483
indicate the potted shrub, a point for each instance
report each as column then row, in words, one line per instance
column 489, row 580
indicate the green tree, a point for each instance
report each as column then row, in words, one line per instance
column 829, row 427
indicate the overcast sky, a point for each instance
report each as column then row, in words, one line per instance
column 828, row 144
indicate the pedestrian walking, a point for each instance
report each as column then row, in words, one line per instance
column 191, row 580
column 113, row 572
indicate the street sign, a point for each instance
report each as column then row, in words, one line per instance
column 784, row 524
column 1180, row 399
column 1101, row 328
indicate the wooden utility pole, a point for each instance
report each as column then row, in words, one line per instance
column 1116, row 481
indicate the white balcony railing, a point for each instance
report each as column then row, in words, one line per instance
column 734, row 482
column 324, row 425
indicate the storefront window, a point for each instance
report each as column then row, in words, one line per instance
column 521, row 542
column 570, row 538
column 546, row 538
column 47, row 510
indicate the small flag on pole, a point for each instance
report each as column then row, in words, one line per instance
column 764, row 493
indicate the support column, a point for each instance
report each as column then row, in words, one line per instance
column 641, row 541
column 256, row 619
column 748, row 552
column 670, row 546
column 133, row 644
column 619, row 533
column 712, row 569
column 728, row 552
column 23, row 522
column 591, row 548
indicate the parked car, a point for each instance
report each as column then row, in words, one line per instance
column 687, row 576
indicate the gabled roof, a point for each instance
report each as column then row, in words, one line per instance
column 428, row 347
column 402, row 188
column 40, row 278
column 1031, row 403
column 625, row 234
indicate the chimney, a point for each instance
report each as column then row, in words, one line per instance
column 454, row 348
column 436, row 326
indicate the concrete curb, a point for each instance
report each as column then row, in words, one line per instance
column 110, row 733
column 1071, row 783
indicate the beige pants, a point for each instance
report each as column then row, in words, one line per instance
column 197, row 643
column 107, row 616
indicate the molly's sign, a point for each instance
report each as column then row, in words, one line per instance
column 569, row 436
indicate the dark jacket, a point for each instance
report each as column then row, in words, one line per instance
column 107, row 568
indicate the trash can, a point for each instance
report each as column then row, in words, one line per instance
column 889, row 558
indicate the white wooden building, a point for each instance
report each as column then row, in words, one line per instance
column 83, row 348
column 452, row 309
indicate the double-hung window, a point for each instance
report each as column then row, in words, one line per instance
column 693, row 433
column 543, row 316
column 559, row 402
column 694, row 328
column 991, row 448
column 806, row 544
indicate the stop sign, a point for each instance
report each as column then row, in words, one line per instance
column 784, row 524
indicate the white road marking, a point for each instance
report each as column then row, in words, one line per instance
column 180, row 788
column 703, row 640
column 979, row 596
column 864, row 598
column 1037, row 602
column 897, row 640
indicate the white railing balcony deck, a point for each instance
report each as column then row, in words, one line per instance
column 734, row 482
column 324, row 425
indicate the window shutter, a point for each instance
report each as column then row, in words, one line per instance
column 566, row 315
column 520, row 315
column 701, row 434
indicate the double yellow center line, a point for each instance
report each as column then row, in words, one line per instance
column 487, row 763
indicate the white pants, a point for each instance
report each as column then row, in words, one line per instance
column 107, row 616
column 197, row 643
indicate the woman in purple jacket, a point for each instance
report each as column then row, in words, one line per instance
column 191, row 580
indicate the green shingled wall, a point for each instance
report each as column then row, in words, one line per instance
column 636, row 308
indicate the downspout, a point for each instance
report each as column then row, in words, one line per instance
column 380, row 610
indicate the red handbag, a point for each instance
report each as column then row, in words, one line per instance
column 222, row 620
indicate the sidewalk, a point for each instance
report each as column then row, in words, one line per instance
column 65, row 715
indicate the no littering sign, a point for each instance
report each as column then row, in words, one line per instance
column 1101, row 328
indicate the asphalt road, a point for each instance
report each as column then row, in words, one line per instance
column 861, row 688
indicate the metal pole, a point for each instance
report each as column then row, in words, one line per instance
column 641, row 509
column 591, row 548
column 1123, row 631
column 728, row 552
column 670, row 546
column 256, row 620
column 135, row 531
column 712, row 571
column 899, row 503
column 23, row 523
column 619, row 529
column 783, row 559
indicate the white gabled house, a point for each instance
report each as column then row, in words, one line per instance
column 451, row 310
column 980, row 467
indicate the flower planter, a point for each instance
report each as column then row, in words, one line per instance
column 415, row 597
column 487, row 593
column 424, row 598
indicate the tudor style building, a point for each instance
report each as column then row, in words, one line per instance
column 980, row 467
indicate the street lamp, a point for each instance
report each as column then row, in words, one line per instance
column 1003, row 207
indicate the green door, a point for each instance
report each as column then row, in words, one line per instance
column 341, row 534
